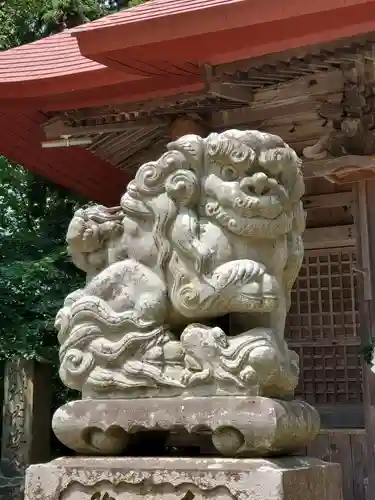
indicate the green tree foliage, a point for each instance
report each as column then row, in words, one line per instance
column 23, row 21
column 19, row 21
column 114, row 5
column 35, row 271
column 58, row 15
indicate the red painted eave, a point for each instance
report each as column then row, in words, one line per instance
column 74, row 168
column 219, row 31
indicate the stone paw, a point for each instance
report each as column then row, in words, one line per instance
column 249, row 376
column 186, row 377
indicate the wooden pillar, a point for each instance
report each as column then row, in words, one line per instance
column 364, row 216
column 26, row 422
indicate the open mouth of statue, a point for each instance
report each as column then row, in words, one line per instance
column 267, row 206
column 250, row 226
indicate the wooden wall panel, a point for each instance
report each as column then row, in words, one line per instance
column 348, row 448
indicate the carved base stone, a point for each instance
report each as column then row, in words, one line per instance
column 293, row 478
column 240, row 426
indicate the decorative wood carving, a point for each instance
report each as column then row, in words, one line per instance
column 24, row 439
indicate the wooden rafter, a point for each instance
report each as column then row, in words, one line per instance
column 226, row 88
column 298, row 96
column 57, row 127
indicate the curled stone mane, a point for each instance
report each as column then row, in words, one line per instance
column 159, row 177
column 90, row 227
column 161, row 187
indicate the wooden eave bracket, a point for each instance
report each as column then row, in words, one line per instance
column 225, row 88
column 342, row 170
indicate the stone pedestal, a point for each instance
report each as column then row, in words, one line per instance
column 240, row 426
column 292, row 478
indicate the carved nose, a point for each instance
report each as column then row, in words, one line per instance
column 257, row 183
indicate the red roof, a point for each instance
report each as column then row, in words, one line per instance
column 34, row 59
column 152, row 50
column 52, row 65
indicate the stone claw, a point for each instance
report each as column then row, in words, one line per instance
column 185, row 377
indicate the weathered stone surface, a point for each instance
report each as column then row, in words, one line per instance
column 184, row 479
column 213, row 227
column 240, row 426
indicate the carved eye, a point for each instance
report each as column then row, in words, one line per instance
column 229, row 173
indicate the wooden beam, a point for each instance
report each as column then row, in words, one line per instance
column 255, row 115
column 230, row 91
column 362, row 228
column 364, row 217
column 329, row 237
column 330, row 200
column 342, row 170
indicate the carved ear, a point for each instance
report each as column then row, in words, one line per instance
column 183, row 187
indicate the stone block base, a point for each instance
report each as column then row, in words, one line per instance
column 103, row 478
column 240, row 426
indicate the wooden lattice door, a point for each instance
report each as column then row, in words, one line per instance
column 323, row 327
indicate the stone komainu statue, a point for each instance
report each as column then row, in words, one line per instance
column 211, row 228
